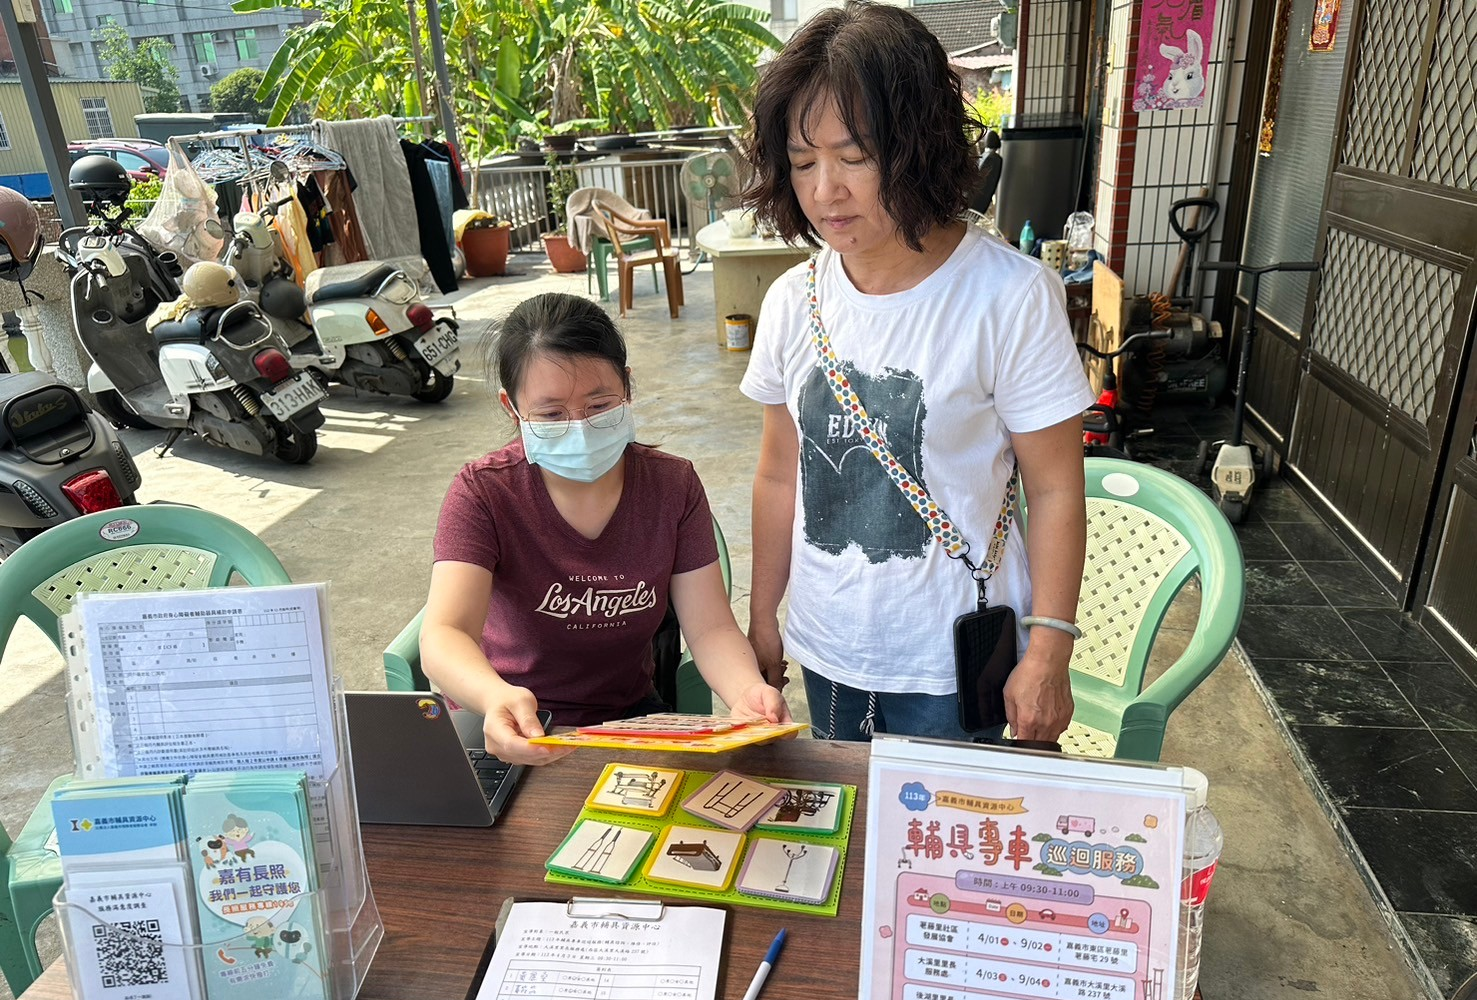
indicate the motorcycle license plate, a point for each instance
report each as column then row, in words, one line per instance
column 439, row 348
column 294, row 396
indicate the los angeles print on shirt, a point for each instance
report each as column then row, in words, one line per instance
column 598, row 601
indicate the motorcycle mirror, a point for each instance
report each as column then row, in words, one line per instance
column 215, row 229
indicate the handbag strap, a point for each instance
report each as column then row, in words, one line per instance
column 943, row 528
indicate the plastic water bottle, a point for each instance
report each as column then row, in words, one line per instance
column 1028, row 238
column 1203, row 843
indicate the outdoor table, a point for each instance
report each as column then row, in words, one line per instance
column 743, row 269
column 439, row 888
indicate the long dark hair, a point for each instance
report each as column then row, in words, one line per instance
column 559, row 324
column 900, row 103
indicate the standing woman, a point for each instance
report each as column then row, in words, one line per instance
column 913, row 351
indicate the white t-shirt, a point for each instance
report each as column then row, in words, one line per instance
column 946, row 370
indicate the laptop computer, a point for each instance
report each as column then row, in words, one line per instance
column 418, row 762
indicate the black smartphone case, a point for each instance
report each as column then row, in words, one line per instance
column 984, row 656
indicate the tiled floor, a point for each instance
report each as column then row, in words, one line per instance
column 1386, row 721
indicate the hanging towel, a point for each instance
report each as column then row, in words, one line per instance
column 584, row 220
column 433, row 242
column 386, row 205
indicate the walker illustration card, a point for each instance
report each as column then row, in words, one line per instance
column 252, row 849
column 789, row 870
column 688, row 855
column 994, row 873
column 645, row 791
column 808, row 807
column 733, row 801
column 603, row 851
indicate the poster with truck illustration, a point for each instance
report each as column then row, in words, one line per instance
column 998, row 874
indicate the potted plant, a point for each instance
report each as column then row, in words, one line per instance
column 565, row 257
column 485, row 243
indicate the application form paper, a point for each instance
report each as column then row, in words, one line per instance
column 249, row 664
column 606, row 948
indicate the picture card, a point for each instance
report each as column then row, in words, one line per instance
column 733, row 801
column 602, row 851
column 808, row 807
column 788, row 869
column 645, row 791
column 688, row 855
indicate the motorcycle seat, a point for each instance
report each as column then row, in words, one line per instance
column 195, row 327
column 347, row 281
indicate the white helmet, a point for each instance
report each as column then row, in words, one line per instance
column 211, row 285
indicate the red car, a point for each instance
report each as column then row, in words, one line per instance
column 142, row 158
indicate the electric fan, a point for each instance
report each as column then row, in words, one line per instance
column 712, row 179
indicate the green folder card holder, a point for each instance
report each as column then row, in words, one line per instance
column 677, row 816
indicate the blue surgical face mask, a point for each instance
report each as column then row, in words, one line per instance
column 582, row 453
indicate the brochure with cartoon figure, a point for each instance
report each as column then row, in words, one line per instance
column 996, row 873
column 252, row 851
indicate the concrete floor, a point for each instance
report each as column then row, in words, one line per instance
column 1289, row 915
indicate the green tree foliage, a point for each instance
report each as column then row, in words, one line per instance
column 526, row 67
column 147, row 64
column 237, row 92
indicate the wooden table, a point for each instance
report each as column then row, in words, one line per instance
column 743, row 269
column 439, row 888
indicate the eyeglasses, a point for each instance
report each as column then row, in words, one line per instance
column 555, row 421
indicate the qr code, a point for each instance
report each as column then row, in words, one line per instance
column 130, row 953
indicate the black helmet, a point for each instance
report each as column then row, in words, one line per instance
column 100, row 180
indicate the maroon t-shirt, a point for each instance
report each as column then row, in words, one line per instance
column 572, row 618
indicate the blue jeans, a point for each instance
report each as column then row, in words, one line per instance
column 839, row 712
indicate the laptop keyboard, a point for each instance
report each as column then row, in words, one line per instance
column 492, row 775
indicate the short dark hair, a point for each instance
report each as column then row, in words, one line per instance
column 555, row 323
column 899, row 100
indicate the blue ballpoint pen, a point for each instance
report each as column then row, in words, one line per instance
column 765, row 966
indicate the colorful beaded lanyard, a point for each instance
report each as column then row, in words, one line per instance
column 939, row 522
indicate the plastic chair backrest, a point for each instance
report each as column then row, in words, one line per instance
column 402, row 657
column 148, row 547
column 1148, row 533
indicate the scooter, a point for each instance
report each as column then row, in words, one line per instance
column 220, row 373
column 366, row 324
column 58, row 459
column 1234, row 473
column 1103, row 433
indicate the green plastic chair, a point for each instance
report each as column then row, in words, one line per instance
column 1148, row 533
column 403, row 655
column 142, row 548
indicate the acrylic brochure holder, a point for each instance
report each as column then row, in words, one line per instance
column 342, row 906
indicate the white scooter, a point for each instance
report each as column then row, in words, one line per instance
column 367, row 326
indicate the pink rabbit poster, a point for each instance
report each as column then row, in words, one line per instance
column 1175, row 38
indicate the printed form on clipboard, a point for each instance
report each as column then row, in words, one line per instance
column 602, row 947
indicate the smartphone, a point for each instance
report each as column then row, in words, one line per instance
column 984, row 656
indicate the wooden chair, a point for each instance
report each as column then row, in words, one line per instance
column 619, row 229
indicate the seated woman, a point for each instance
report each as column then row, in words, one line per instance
column 585, row 534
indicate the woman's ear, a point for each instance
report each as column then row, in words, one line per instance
column 502, row 397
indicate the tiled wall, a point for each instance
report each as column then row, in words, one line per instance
column 1150, row 160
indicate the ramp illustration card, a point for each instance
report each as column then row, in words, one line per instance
column 732, row 801
column 687, row 855
column 644, row 791
column 788, row 869
column 808, row 807
column 601, row 851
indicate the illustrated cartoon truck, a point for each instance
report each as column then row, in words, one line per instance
column 1084, row 825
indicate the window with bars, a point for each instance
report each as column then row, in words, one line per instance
column 4, row 135
column 205, row 48
column 246, row 44
column 99, row 120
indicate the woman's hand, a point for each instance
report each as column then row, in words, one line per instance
column 510, row 721
column 762, row 701
column 769, row 650
column 1038, row 696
